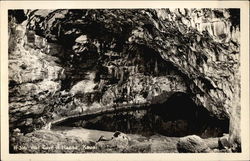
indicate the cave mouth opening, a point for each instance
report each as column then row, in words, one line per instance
column 178, row 116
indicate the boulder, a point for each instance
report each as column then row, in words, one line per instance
column 119, row 141
column 192, row 144
column 223, row 142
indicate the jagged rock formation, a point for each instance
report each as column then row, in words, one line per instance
column 197, row 60
column 34, row 77
column 82, row 61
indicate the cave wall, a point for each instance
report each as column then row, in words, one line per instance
column 203, row 59
column 34, row 77
column 73, row 61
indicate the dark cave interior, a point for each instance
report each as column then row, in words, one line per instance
column 176, row 117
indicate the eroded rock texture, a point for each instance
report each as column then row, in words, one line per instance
column 64, row 63
column 192, row 144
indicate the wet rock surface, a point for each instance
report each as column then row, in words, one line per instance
column 78, row 67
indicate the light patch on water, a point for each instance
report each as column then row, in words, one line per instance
column 85, row 134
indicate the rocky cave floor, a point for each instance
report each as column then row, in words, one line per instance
column 81, row 140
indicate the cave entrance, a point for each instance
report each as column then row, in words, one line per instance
column 180, row 116
column 176, row 117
